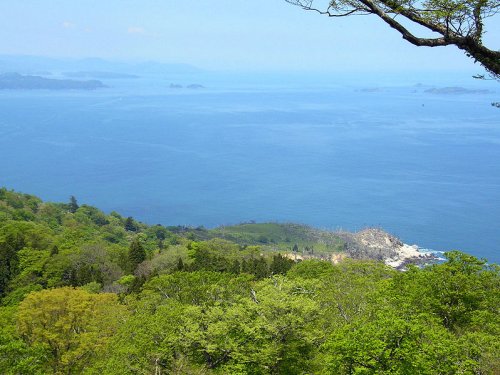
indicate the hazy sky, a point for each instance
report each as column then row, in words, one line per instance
column 220, row 34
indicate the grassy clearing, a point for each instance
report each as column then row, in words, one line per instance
column 281, row 237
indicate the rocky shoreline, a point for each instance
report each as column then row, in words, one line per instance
column 411, row 254
column 374, row 243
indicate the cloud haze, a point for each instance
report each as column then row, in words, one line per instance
column 68, row 25
column 226, row 34
column 136, row 30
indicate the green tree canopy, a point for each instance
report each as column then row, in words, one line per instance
column 70, row 324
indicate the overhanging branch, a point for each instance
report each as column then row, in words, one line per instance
column 407, row 35
column 456, row 25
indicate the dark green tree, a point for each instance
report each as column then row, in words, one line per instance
column 130, row 224
column 235, row 267
column 245, row 266
column 73, row 204
column 136, row 255
column 8, row 260
column 180, row 265
column 280, row 265
column 86, row 213
column 54, row 250
column 14, row 236
column 260, row 268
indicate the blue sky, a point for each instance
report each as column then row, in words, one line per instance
column 220, row 35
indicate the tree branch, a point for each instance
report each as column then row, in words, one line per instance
column 460, row 25
column 407, row 35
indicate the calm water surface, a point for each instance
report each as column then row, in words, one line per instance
column 422, row 166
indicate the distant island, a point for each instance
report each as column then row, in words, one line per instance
column 193, row 86
column 100, row 75
column 16, row 81
column 371, row 89
column 455, row 91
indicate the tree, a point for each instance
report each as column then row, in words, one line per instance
column 72, row 326
column 15, row 236
column 136, row 254
column 180, row 265
column 8, row 263
column 388, row 342
column 280, row 265
column 235, row 267
column 150, row 341
column 73, row 205
column 271, row 330
column 88, row 214
column 130, row 224
column 260, row 268
column 457, row 22
column 54, row 250
column 93, row 264
column 440, row 319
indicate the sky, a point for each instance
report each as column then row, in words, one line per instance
column 234, row 35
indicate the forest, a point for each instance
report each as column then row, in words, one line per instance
column 85, row 292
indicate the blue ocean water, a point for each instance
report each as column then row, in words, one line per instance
column 423, row 166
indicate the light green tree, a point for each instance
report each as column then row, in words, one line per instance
column 71, row 325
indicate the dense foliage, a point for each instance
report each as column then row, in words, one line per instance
column 86, row 292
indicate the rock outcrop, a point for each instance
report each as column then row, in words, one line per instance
column 374, row 243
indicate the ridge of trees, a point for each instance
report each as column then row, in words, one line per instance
column 82, row 294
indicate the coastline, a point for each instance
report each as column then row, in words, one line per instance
column 412, row 254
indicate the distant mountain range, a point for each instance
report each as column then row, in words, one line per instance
column 16, row 81
column 90, row 67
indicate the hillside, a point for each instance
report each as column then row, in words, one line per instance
column 82, row 291
column 301, row 242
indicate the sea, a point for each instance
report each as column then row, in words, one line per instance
column 406, row 154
